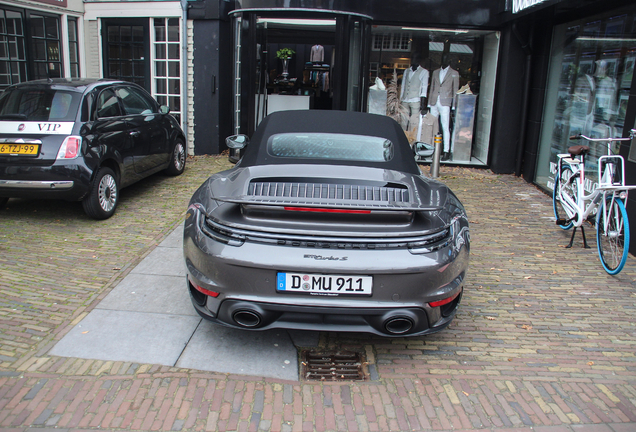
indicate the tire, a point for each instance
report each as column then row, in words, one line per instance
column 563, row 184
column 613, row 242
column 3, row 202
column 177, row 159
column 103, row 197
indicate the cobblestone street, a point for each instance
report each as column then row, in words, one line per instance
column 544, row 339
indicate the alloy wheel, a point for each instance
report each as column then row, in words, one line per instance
column 107, row 193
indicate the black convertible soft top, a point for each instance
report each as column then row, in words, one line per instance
column 342, row 122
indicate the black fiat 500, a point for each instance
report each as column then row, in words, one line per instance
column 84, row 139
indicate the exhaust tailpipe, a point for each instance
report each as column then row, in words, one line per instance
column 247, row 318
column 398, row 325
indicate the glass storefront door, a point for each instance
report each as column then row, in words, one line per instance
column 589, row 82
column 284, row 63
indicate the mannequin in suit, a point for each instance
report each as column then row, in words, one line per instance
column 317, row 53
column 444, row 86
column 413, row 93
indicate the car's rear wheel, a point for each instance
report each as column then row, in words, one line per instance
column 103, row 197
column 177, row 159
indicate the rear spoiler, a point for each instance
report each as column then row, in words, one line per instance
column 328, row 203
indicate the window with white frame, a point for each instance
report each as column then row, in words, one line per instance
column 167, row 64
column 397, row 41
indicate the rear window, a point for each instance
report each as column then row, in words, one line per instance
column 330, row 146
column 39, row 105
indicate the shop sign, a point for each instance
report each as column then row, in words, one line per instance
column 60, row 3
column 519, row 5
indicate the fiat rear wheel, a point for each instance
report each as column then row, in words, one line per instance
column 177, row 159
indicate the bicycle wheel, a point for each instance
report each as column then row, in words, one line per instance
column 612, row 235
column 564, row 184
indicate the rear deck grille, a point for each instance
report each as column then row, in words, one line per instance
column 236, row 237
column 346, row 192
column 333, row 366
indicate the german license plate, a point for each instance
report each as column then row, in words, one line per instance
column 19, row 149
column 319, row 284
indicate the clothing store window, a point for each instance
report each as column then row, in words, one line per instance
column 589, row 82
column 73, row 47
column 13, row 60
column 436, row 81
column 167, row 64
column 45, row 46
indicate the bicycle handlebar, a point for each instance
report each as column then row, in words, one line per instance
column 579, row 136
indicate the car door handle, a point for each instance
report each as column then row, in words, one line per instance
column 134, row 133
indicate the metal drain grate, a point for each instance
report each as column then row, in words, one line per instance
column 333, row 366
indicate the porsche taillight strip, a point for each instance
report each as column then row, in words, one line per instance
column 346, row 192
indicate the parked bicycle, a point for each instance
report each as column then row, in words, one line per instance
column 603, row 207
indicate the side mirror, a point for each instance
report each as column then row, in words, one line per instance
column 236, row 143
column 423, row 150
column 164, row 109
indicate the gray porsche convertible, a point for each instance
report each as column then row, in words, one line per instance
column 326, row 223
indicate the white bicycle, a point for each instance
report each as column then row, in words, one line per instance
column 603, row 207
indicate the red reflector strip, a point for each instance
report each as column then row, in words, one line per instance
column 203, row 290
column 327, row 210
column 445, row 301
column 207, row 292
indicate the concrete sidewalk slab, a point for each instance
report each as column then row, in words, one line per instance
column 163, row 261
column 128, row 336
column 174, row 239
column 150, row 293
column 221, row 349
column 149, row 318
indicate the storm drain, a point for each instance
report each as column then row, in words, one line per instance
column 333, row 366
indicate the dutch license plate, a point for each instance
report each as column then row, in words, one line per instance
column 19, row 149
column 324, row 284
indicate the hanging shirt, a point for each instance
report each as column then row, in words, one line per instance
column 414, row 84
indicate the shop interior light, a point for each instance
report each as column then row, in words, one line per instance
column 306, row 22
column 435, row 29
column 605, row 39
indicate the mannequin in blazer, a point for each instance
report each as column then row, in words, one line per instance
column 441, row 99
column 413, row 92
column 317, row 53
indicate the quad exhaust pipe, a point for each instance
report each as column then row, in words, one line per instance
column 253, row 316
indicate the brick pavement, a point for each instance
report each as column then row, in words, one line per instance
column 544, row 340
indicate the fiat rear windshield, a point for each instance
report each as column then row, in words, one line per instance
column 330, row 146
column 29, row 104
